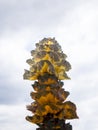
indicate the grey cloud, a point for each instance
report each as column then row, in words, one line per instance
column 12, row 90
column 12, row 94
column 42, row 18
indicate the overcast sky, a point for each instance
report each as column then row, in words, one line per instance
column 74, row 24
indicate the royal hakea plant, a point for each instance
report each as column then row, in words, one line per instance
column 48, row 68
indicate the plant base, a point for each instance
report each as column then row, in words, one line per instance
column 54, row 124
column 66, row 127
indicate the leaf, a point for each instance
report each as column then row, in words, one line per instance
column 35, row 119
column 70, row 110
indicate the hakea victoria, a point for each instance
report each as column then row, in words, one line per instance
column 48, row 67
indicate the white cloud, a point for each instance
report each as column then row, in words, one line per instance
column 13, row 117
column 13, row 54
